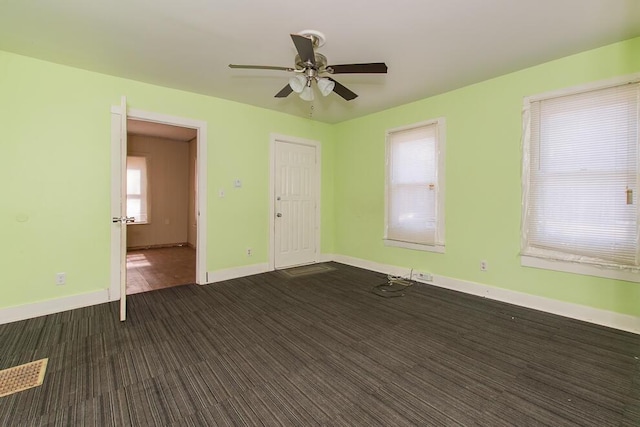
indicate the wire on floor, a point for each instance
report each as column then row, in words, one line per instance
column 394, row 287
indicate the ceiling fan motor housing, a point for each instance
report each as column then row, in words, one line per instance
column 321, row 63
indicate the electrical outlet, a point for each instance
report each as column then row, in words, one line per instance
column 61, row 278
column 249, row 251
column 484, row 266
column 422, row 276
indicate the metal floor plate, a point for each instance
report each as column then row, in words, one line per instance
column 22, row 377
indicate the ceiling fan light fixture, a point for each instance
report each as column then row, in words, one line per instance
column 310, row 65
column 307, row 93
column 326, row 86
column 298, row 83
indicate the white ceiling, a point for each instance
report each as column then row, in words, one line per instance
column 430, row 46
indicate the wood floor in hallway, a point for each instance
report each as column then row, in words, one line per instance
column 159, row 268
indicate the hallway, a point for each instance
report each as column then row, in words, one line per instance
column 158, row 268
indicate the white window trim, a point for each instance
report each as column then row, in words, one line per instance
column 415, row 246
column 439, row 246
column 628, row 274
column 530, row 257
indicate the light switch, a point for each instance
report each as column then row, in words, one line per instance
column 237, row 183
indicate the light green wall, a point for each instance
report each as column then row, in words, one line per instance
column 483, row 193
column 55, row 170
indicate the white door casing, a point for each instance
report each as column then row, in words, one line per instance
column 118, row 168
column 295, row 202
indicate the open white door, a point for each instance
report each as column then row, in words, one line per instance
column 296, row 202
column 123, row 209
column 119, row 205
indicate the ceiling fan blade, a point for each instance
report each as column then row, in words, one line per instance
column 343, row 91
column 284, row 92
column 260, row 67
column 373, row 67
column 304, row 46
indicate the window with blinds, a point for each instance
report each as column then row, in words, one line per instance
column 415, row 186
column 137, row 191
column 580, row 183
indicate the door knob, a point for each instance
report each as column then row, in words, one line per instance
column 278, row 214
column 124, row 219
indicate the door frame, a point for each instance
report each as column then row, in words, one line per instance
column 201, row 201
column 274, row 137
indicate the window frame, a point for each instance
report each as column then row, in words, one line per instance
column 546, row 258
column 439, row 242
column 147, row 187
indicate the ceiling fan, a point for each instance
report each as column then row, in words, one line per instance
column 312, row 66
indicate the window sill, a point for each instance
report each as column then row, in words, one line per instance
column 628, row 274
column 415, row 246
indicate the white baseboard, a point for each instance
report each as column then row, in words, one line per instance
column 249, row 270
column 56, row 305
column 236, row 272
column 372, row 265
column 597, row 316
column 588, row 314
column 326, row 257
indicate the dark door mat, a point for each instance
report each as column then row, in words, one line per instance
column 306, row 270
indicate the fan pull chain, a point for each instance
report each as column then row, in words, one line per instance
column 311, row 112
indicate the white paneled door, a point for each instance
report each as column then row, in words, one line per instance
column 119, row 205
column 295, row 204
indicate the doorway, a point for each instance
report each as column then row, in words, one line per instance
column 295, row 202
column 119, row 149
column 161, row 199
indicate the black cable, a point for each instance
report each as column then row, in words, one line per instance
column 385, row 290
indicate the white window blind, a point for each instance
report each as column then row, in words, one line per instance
column 581, row 201
column 412, row 185
column 137, row 189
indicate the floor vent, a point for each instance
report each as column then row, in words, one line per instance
column 22, row 377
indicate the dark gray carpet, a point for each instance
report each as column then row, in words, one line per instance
column 320, row 350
